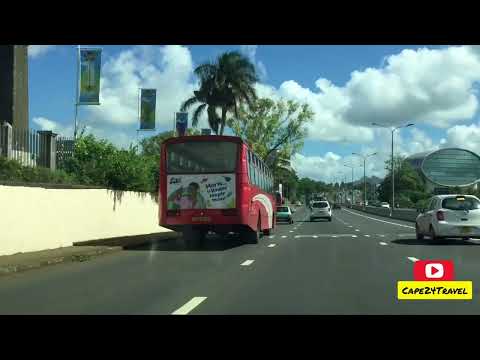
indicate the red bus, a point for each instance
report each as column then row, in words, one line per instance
column 214, row 183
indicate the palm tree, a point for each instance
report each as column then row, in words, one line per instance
column 224, row 85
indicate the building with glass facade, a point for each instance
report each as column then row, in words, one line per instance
column 449, row 167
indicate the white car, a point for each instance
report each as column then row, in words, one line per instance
column 449, row 216
column 321, row 210
column 385, row 205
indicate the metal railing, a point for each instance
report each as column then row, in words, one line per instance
column 35, row 148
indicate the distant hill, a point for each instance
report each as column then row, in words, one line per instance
column 370, row 180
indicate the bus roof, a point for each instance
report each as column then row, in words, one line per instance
column 180, row 139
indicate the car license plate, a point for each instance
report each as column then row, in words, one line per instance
column 466, row 230
column 201, row 218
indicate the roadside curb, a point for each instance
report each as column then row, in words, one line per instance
column 80, row 256
column 79, row 252
column 126, row 242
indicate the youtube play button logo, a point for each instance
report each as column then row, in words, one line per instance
column 433, row 270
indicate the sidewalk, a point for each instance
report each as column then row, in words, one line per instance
column 84, row 251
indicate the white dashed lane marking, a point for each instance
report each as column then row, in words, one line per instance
column 412, row 259
column 247, row 263
column 284, row 236
column 382, row 243
column 272, row 245
column 324, row 236
column 367, row 235
column 357, row 230
column 189, row 306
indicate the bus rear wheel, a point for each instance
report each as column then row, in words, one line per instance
column 268, row 232
column 250, row 236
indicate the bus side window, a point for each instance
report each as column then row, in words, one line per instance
column 264, row 173
column 249, row 162
column 261, row 174
column 257, row 172
column 254, row 170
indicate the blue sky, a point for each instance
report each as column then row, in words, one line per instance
column 348, row 87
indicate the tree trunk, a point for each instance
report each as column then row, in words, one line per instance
column 224, row 119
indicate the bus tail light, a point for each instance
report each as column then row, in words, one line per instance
column 440, row 216
column 172, row 213
column 230, row 212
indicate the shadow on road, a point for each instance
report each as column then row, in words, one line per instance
column 211, row 243
column 446, row 242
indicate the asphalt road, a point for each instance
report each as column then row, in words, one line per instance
column 348, row 266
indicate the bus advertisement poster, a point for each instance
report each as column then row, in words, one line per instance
column 209, row 191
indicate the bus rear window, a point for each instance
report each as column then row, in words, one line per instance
column 201, row 157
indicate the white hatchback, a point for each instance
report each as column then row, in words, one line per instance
column 449, row 216
column 321, row 210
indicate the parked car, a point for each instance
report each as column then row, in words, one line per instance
column 385, row 205
column 284, row 214
column 299, row 203
column 321, row 210
column 449, row 216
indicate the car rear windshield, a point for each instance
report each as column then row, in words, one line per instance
column 282, row 209
column 320, row 205
column 201, row 157
column 461, row 203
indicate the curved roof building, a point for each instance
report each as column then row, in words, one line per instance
column 448, row 167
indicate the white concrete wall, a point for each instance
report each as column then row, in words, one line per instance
column 35, row 218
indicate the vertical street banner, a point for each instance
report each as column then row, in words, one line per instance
column 90, row 62
column 148, row 98
column 181, row 123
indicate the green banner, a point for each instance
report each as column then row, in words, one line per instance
column 90, row 62
column 148, row 98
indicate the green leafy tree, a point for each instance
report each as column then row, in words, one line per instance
column 224, row 85
column 273, row 129
column 98, row 162
column 409, row 185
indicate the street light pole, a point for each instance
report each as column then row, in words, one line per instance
column 393, row 166
column 364, row 157
column 352, row 179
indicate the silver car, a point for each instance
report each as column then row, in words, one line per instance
column 321, row 210
column 449, row 216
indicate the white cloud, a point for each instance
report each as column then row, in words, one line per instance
column 43, row 123
column 463, row 136
column 328, row 105
column 420, row 142
column 35, row 51
column 169, row 69
column 321, row 168
column 117, row 136
column 432, row 86
column 435, row 87
column 251, row 52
